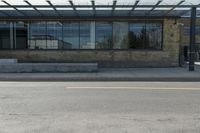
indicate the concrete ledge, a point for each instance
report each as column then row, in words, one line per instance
column 8, row 61
column 132, row 74
column 48, row 67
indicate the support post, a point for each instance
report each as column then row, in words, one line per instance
column 192, row 39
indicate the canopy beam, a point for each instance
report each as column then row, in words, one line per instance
column 54, row 8
column 14, row 7
column 114, row 6
column 134, row 6
column 175, row 6
column 73, row 7
column 33, row 7
column 154, row 7
column 93, row 7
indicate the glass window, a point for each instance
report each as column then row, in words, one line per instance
column 54, row 35
column 103, row 35
column 5, row 39
column 87, row 35
column 137, row 33
column 120, row 35
column 21, row 35
column 38, row 36
column 145, row 36
column 71, row 35
column 153, row 36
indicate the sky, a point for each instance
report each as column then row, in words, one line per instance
column 106, row 2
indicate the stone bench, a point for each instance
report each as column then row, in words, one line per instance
column 48, row 67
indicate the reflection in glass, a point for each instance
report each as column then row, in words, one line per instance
column 87, row 35
column 120, row 35
column 153, row 36
column 21, row 35
column 71, row 35
column 38, row 36
column 54, row 35
column 137, row 33
column 103, row 35
column 145, row 36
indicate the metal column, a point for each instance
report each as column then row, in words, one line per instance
column 192, row 39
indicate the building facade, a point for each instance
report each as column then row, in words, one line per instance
column 111, row 41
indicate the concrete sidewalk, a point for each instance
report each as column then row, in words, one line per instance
column 126, row 74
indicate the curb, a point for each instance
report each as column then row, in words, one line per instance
column 87, row 79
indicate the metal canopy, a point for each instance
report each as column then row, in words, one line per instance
column 73, row 7
column 33, row 7
column 114, row 10
column 54, row 8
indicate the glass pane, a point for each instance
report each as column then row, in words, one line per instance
column 37, row 38
column 5, row 40
column 87, row 35
column 21, row 35
column 137, row 33
column 120, row 35
column 103, row 35
column 154, row 36
column 54, row 35
column 71, row 35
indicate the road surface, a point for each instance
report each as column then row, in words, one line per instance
column 99, row 107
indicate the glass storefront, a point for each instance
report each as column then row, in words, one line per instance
column 81, row 35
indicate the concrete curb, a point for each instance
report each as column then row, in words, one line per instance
column 57, row 79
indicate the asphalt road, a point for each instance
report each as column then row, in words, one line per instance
column 99, row 107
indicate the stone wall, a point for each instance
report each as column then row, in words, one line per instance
column 167, row 57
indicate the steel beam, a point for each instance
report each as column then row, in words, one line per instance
column 154, row 7
column 93, row 7
column 14, row 7
column 134, row 6
column 175, row 6
column 192, row 39
column 114, row 6
column 33, row 7
column 72, row 6
column 54, row 8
